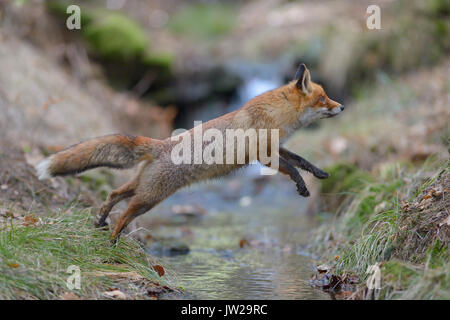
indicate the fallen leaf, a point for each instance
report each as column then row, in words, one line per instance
column 159, row 269
column 437, row 193
column 243, row 242
column 13, row 265
column 29, row 221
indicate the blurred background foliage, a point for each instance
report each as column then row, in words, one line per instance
column 135, row 41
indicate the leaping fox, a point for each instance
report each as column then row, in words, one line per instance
column 287, row 109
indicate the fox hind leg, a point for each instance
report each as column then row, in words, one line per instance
column 125, row 191
column 136, row 207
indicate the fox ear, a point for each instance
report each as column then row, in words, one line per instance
column 304, row 79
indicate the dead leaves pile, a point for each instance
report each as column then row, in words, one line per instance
column 430, row 195
column 428, row 214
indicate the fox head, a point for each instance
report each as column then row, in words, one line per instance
column 311, row 99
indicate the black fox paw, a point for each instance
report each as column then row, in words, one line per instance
column 114, row 241
column 101, row 224
column 321, row 174
column 303, row 191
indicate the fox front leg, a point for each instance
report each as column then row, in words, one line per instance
column 286, row 168
column 302, row 163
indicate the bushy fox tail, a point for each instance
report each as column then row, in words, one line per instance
column 114, row 151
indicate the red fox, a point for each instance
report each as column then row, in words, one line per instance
column 285, row 109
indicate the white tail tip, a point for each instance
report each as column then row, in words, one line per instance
column 43, row 169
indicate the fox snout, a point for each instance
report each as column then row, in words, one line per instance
column 336, row 110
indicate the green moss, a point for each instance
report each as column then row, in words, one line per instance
column 344, row 177
column 116, row 36
column 438, row 7
column 162, row 60
column 366, row 208
column 203, row 20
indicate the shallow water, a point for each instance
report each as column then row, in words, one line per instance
column 266, row 212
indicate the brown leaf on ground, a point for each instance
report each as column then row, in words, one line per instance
column 243, row 242
column 29, row 221
column 159, row 269
column 405, row 206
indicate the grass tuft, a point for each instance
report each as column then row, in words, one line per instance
column 35, row 256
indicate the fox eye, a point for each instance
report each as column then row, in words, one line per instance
column 322, row 99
